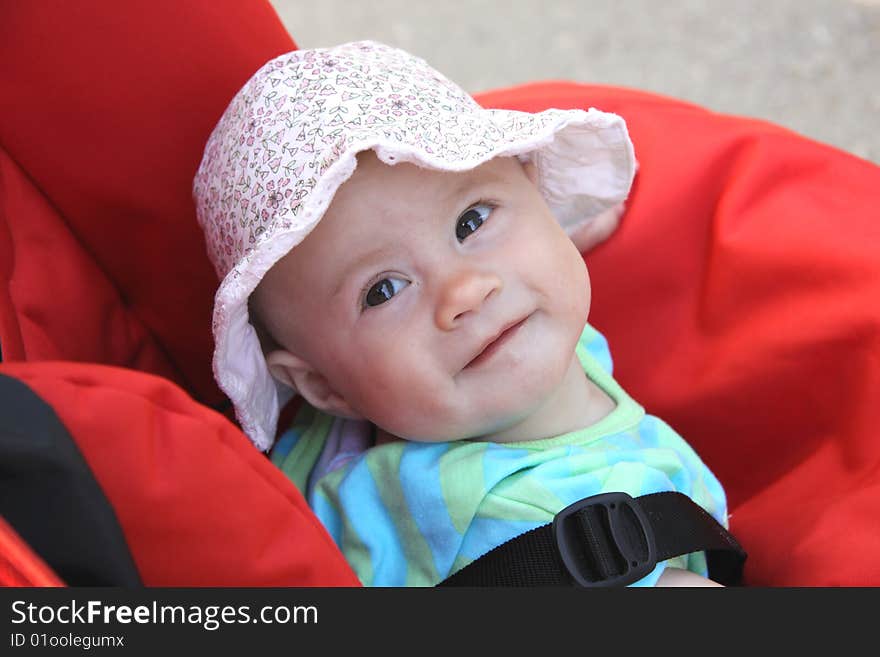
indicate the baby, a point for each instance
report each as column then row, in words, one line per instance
column 410, row 264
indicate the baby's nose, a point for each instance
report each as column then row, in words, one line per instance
column 463, row 292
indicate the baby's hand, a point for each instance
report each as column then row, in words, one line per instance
column 679, row 577
column 598, row 229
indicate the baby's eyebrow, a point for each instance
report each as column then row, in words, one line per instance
column 360, row 262
column 464, row 186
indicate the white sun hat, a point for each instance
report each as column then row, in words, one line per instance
column 289, row 138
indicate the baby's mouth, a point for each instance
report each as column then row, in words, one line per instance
column 496, row 343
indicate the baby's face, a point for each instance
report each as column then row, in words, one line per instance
column 438, row 305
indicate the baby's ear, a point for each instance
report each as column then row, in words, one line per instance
column 293, row 371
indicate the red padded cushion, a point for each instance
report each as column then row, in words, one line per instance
column 107, row 108
column 56, row 303
column 198, row 505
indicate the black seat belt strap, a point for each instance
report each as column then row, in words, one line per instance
column 610, row 539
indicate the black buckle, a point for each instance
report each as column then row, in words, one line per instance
column 605, row 540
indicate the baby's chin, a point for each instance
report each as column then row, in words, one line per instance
column 507, row 420
column 501, row 429
column 445, row 429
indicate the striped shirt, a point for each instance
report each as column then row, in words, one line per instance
column 411, row 514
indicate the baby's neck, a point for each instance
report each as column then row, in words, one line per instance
column 578, row 403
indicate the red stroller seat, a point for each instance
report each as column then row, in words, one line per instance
column 751, row 253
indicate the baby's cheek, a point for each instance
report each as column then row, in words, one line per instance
column 384, row 391
column 411, row 408
column 377, row 396
column 563, row 270
column 573, row 269
column 581, row 290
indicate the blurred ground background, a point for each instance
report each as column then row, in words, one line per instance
column 810, row 65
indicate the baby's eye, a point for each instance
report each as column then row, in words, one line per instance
column 383, row 290
column 471, row 220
